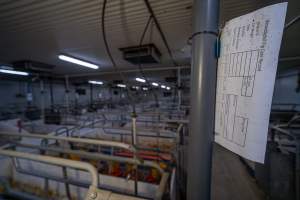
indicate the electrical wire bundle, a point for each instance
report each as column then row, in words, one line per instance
column 124, row 79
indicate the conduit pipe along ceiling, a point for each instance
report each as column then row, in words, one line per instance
column 77, row 61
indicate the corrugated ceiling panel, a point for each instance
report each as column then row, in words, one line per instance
column 39, row 30
column 24, row 23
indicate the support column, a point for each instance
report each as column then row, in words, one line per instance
column 134, row 143
column 203, row 85
column 67, row 93
column 51, row 93
column 91, row 94
column 179, row 90
column 42, row 91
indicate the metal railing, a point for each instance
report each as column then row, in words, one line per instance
column 55, row 161
column 75, row 140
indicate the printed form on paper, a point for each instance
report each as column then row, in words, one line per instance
column 245, row 81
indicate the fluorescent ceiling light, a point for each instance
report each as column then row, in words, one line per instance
column 155, row 84
column 121, row 85
column 7, row 71
column 78, row 62
column 168, row 88
column 96, row 82
column 136, row 87
column 140, row 80
column 144, row 88
column 163, row 86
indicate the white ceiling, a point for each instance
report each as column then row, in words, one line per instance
column 40, row 30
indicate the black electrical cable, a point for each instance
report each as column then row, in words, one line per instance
column 160, row 31
column 140, row 65
column 150, row 10
column 111, row 57
column 140, row 45
column 105, row 39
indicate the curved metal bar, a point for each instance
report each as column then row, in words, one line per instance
column 293, row 21
column 285, row 132
column 162, row 186
column 61, row 131
column 76, row 140
column 93, row 155
column 55, row 161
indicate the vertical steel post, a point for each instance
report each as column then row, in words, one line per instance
column 203, row 87
column 297, row 170
column 42, row 91
column 29, row 97
column 91, row 94
column 134, row 143
column 179, row 87
column 67, row 92
column 51, row 93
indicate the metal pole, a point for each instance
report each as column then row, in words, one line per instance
column 29, row 96
column 67, row 92
column 51, row 93
column 91, row 94
column 179, row 87
column 42, row 90
column 203, row 84
column 297, row 170
column 134, row 143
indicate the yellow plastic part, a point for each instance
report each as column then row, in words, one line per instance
column 74, row 157
column 163, row 165
column 154, row 173
column 1, row 189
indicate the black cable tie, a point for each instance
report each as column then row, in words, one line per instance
column 202, row 32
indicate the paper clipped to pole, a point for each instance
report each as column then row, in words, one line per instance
column 245, row 81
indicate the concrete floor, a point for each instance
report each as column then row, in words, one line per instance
column 230, row 179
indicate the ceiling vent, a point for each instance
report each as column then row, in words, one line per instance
column 34, row 66
column 144, row 54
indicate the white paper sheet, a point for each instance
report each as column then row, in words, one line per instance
column 246, row 75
